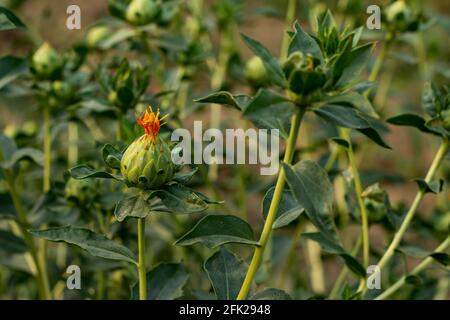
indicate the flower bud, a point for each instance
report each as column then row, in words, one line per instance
column 255, row 72
column 46, row 62
column 398, row 15
column 96, row 35
column 147, row 162
column 142, row 12
column 62, row 90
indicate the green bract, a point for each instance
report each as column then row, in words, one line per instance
column 147, row 163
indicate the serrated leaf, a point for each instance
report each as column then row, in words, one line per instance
column 313, row 190
column 301, row 41
column 83, row 171
column 217, row 230
column 348, row 117
column 226, row 273
column 166, row 282
column 271, row 294
column 96, row 244
column 9, row 21
column 111, row 156
column 288, row 208
column 270, row 62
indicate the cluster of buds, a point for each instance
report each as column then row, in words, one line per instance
column 147, row 163
column 304, row 73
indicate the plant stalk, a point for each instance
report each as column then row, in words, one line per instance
column 388, row 292
column 267, row 229
column 345, row 133
column 72, row 152
column 141, row 265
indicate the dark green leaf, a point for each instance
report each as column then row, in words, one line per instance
column 413, row 280
column 348, row 117
column 313, row 190
column 342, row 142
column 11, row 244
column 83, row 171
column 328, row 245
column 431, row 187
column 349, row 65
column 288, row 209
column 9, row 20
column 216, row 230
column 303, row 42
column 132, row 205
column 7, row 147
column 96, row 244
column 165, row 282
column 271, row 294
column 226, row 273
column 412, row 120
column 11, row 68
column 270, row 62
column 225, row 98
column 184, row 177
column 24, row 153
column 111, row 156
column 441, row 257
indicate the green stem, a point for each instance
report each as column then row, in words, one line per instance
column 41, row 277
column 345, row 133
column 100, row 285
column 267, row 229
column 412, row 210
column 119, row 133
column 443, row 149
column 72, row 152
column 141, row 266
column 290, row 16
column 442, row 247
column 380, row 60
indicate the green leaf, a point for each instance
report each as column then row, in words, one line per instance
column 431, row 187
column 132, row 205
column 177, row 198
column 11, row 68
column 342, row 142
column 350, row 64
column 111, row 156
column 441, row 257
column 430, row 99
column 330, row 246
column 288, row 209
column 24, row 153
column 264, row 105
column 184, row 177
column 217, row 230
column 420, row 253
column 271, row 294
column 226, row 273
column 11, row 244
column 301, row 41
column 7, row 146
column 412, row 120
column 96, row 244
column 83, row 171
column 313, row 190
column 353, row 99
column 9, row 21
column 225, row 98
column 270, row 62
column 166, row 282
column 348, row 117
column 413, row 280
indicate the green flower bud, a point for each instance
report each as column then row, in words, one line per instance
column 46, row 62
column 62, row 90
column 147, row 162
column 255, row 72
column 399, row 15
column 142, row 12
column 96, row 35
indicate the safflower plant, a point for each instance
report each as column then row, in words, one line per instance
column 94, row 185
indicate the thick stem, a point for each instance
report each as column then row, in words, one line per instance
column 141, row 266
column 290, row 16
column 345, row 133
column 442, row 247
column 267, row 229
